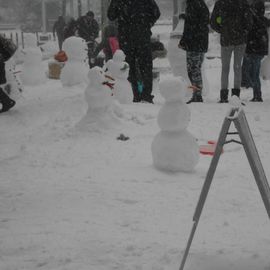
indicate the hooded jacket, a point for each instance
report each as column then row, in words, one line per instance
column 233, row 20
column 195, row 34
column 257, row 40
column 135, row 18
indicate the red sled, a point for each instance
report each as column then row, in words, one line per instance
column 209, row 149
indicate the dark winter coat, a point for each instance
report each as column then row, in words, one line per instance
column 135, row 18
column 257, row 41
column 70, row 29
column 59, row 26
column 195, row 35
column 88, row 28
column 233, row 20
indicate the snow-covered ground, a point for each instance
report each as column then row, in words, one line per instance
column 76, row 199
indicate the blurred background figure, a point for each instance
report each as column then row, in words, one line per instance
column 58, row 28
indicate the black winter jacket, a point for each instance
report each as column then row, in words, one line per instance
column 233, row 20
column 135, row 18
column 87, row 29
column 257, row 41
column 195, row 35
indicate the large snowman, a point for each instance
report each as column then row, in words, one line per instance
column 174, row 148
column 119, row 69
column 101, row 113
column 33, row 72
column 76, row 69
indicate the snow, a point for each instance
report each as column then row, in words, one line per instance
column 72, row 199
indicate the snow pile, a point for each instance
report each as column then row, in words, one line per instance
column 174, row 148
column 75, row 70
column 33, row 72
column 119, row 69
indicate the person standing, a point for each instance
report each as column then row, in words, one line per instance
column 7, row 49
column 257, row 48
column 233, row 20
column 195, row 42
column 58, row 28
column 135, row 20
column 88, row 29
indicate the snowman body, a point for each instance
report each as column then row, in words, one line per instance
column 13, row 87
column 33, row 72
column 119, row 70
column 174, row 148
column 75, row 69
column 101, row 113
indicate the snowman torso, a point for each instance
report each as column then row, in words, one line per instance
column 33, row 72
column 75, row 69
column 119, row 70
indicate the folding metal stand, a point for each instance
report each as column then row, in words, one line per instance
column 237, row 116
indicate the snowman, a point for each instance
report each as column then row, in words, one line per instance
column 119, row 69
column 13, row 86
column 33, row 72
column 98, row 95
column 75, row 69
column 174, row 149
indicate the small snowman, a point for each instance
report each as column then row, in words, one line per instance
column 33, row 72
column 174, row 149
column 119, row 69
column 75, row 70
column 98, row 95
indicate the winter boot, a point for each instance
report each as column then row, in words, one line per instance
column 224, row 96
column 236, row 92
column 256, row 97
column 196, row 97
column 6, row 102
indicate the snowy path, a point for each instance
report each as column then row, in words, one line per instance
column 76, row 200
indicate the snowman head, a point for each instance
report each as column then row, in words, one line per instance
column 75, row 48
column 173, row 88
column 98, row 78
column 119, row 56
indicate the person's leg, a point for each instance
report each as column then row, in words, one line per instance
column 237, row 67
column 145, row 66
column 133, row 73
column 255, row 77
column 245, row 72
column 6, row 101
column 194, row 65
column 226, row 54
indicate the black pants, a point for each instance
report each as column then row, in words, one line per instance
column 139, row 57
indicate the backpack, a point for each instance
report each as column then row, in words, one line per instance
column 7, row 48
